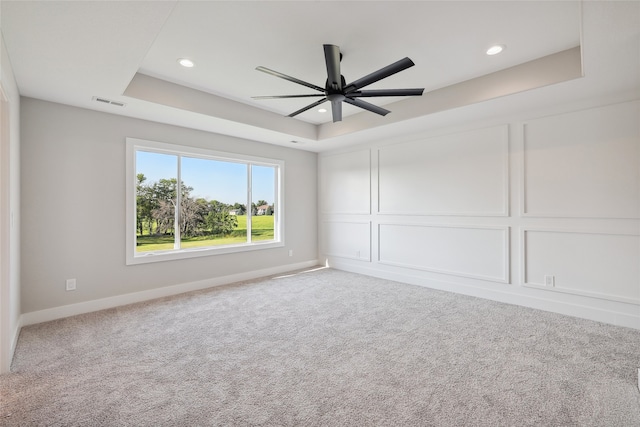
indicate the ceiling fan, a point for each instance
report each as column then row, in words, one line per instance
column 338, row 91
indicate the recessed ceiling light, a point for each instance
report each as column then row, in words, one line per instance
column 322, row 110
column 496, row 49
column 186, row 62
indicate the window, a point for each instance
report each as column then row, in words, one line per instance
column 224, row 202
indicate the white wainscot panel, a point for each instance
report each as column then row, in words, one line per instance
column 345, row 183
column 592, row 264
column 583, row 164
column 476, row 252
column 461, row 174
column 347, row 239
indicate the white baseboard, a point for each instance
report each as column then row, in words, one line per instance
column 13, row 342
column 16, row 335
column 510, row 296
column 546, row 304
column 120, row 300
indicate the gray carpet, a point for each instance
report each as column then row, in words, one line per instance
column 322, row 348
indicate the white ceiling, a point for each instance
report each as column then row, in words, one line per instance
column 69, row 52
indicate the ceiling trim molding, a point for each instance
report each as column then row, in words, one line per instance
column 162, row 92
column 551, row 69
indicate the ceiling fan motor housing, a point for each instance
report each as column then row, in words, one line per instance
column 333, row 87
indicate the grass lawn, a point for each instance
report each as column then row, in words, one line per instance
column 261, row 229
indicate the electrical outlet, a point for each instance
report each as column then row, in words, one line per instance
column 290, row 252
column 549, row 281
column 357, row 254
column 71, row 284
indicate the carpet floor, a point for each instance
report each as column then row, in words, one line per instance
column 322, row 348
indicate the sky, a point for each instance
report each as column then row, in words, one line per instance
column 212, row 180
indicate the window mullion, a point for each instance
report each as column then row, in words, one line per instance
column 249, row 200
column 276, row 205
column 176, row 221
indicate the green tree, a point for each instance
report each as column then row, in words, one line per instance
column 156, row 210
column 192, row 216
column 164, row 216
column 141, row 202
column 165, row 195
column 240, row 208
column 221, row 222
column 216, row 206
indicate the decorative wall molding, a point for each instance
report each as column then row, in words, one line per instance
column 595, row 238
column 355, row 239
column 592, row 267
column 419, row 233
column 588, row 158
column 433, row 173
column 350, row 183
column 614, row 313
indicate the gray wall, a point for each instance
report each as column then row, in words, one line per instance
column 9, row 213
column 73, row 207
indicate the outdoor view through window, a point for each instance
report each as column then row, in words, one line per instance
column 222, row 202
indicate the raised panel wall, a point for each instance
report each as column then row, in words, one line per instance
column 601, row 265
column 490, row 212
column 459, row 174
column 476, row 252
column 583, row 164
column 347, row 239
column 346, row 187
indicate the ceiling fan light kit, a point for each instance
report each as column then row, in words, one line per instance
column 337, row 91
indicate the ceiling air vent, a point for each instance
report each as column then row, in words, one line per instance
column 108, row 101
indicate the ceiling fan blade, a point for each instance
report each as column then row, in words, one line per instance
column 385, row 92
column 288, row 96
column 367, row 106
column 382, row 73
column 332, row 59
column 308, row 107
column 336, row 110
column 291, row 79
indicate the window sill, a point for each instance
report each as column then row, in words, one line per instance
column 148, row 257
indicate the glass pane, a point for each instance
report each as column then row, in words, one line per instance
column 156, row 176
column 213, row 203
column 263, row 181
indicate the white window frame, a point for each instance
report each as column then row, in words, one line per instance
column 132, row 257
